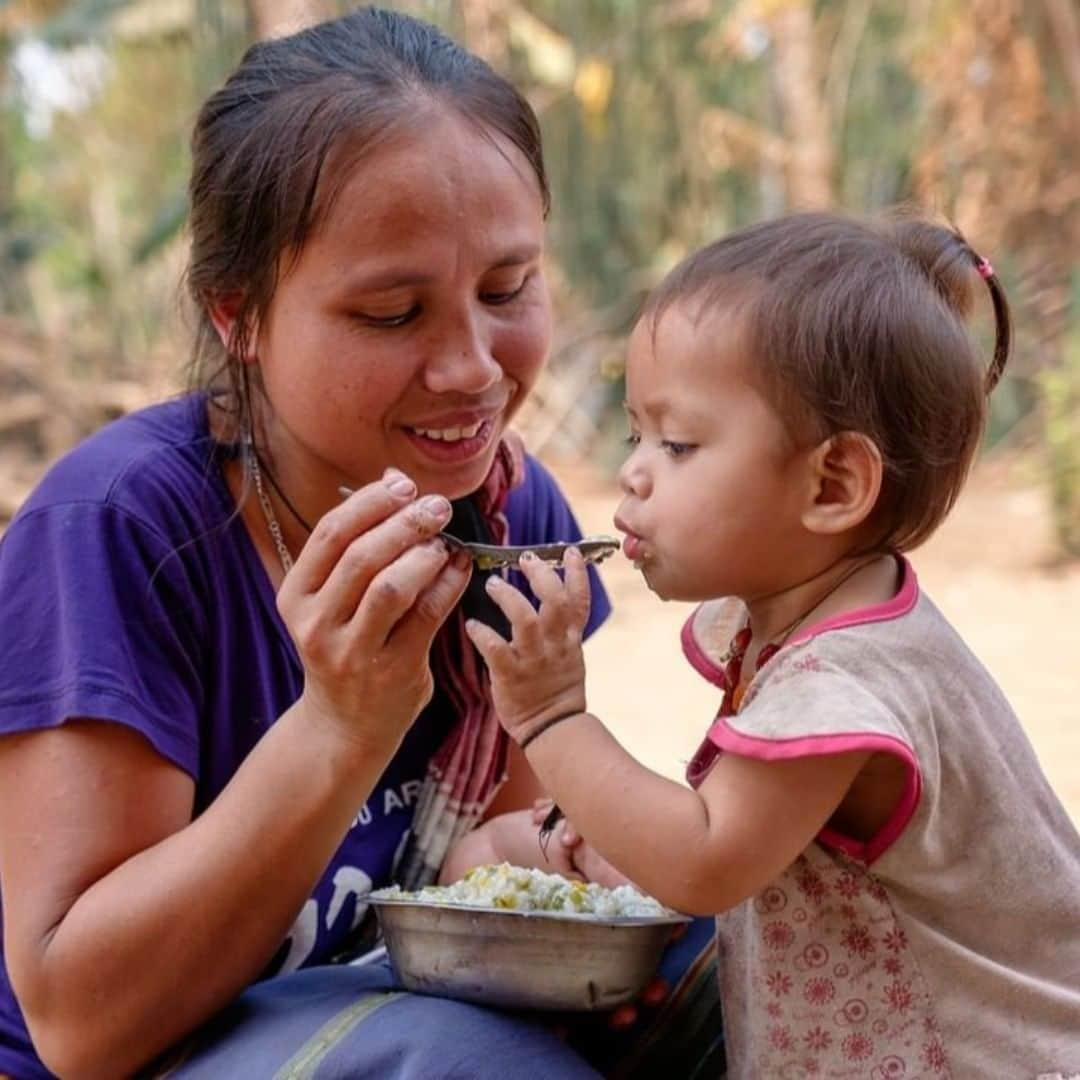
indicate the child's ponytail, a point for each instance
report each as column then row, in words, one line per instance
column 947, row 259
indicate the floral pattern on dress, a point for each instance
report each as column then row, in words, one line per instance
column 836, row 994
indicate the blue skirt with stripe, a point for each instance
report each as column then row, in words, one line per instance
column 352, row 1022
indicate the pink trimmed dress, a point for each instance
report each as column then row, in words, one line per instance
column 949, row 944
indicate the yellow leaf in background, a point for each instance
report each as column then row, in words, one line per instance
column 613, row 364
column 551, row 56
column 593, row 85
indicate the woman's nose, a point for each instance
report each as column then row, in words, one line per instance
column 462, row 361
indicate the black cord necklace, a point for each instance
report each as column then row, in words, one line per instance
column 277, row 487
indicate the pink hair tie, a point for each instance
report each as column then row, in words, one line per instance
column 986, row 271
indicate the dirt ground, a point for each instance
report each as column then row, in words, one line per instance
column 990, row 568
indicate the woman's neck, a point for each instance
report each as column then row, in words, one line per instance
column 285, row 497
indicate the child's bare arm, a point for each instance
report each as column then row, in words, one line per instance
column 699, row 851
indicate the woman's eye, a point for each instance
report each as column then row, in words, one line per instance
column 677, row 449
column 506, row 296
column 391, row 321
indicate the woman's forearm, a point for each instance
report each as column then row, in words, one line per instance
column 172, row 934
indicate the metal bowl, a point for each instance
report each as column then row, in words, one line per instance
column 522, row 959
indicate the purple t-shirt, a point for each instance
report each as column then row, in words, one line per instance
column 131, row 592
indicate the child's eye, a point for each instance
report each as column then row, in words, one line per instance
column 677, row 449
column 633, row 439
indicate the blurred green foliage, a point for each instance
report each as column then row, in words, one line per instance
column 666, row 123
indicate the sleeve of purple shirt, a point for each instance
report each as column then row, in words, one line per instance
column 98, row 622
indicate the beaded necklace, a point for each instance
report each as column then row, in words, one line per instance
column 732, row 660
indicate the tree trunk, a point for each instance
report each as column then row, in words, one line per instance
column 803, row 111
column 1065, row 23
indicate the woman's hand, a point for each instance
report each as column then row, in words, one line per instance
column 363, row 603
column 540, row 673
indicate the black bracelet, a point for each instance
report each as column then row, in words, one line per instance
column 541, row 728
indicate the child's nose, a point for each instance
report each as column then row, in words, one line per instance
column 633, row 478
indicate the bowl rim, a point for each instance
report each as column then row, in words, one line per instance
column 582, row 917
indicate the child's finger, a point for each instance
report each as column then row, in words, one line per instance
column 545, row 582
column 577, row 585
column 491, row 645
column 570, row 836
column 513, row 604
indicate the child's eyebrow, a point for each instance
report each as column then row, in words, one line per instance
column 655, row 410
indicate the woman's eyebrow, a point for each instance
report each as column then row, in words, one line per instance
column 384, row 280
column 392, row 278
column 518, row 257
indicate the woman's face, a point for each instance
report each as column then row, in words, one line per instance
column 415, row 320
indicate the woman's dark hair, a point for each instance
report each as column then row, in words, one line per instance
column 854, row 326
column 259, row 180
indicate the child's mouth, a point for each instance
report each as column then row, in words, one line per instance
column 634, row 547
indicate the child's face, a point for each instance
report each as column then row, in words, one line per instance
column 714, row 485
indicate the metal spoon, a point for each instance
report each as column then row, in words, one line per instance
column 593, row 549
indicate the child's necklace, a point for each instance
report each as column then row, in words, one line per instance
column 736, row 653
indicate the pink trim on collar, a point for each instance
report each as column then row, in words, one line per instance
column 698, row 658
column 900, row 604
column 729, row 740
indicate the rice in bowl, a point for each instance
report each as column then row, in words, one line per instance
column 517, row 888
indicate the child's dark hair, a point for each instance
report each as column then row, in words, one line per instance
column 861, row 326
column 259, row 183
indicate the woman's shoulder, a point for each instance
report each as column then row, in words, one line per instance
column 154, row 465
column 537, row 509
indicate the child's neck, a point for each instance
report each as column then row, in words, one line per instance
column 846, row 585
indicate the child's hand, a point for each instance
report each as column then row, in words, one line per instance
column 540, row 673
column 513, row 838
column 583, row 857
column 594, row 867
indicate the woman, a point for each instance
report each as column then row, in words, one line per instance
column 233, row 701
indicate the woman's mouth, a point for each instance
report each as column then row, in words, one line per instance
column 452, row 440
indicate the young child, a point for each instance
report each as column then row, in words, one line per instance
column 897, row 888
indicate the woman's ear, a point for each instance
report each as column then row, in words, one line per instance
column 224, row 309
column 846, row 481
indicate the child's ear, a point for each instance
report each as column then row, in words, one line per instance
column 224, row 309
column 846, row 481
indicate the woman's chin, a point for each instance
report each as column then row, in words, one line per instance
column 455, row 483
